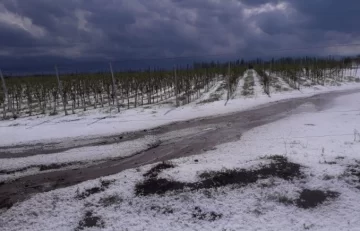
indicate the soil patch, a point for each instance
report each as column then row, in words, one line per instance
column 110, row 200
column 6, row 203
column 104, row 184
column 355, row 171
column 309, row 198
column 90, row 221
column 40, row 167
column 207, row 216
column 158, row 186
column 156, row 170
column 210, row 100
column 352, row 175
column 54, row 166
column 162, row 210
column 279, row 167
column 312, row 198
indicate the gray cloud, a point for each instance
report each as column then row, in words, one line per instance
column 103, row 30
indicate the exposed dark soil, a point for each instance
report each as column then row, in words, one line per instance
column 158, row 186
column 285, row 200
column 210, row 100
column 6, row 203
column 55, row 166
column 340, row 157
column 352, row 174
column 330, row 162
column 8, row 172
column 279, row 167
column 162, row 210
column 312, row 198
column 207, row 216
column 110, row 200
column 309, row 198
column 355, row 171
column 104, row 184
column 156, row 170
column 90, row 221
column 40, row 167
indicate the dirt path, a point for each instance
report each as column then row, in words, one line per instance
column 213, row 131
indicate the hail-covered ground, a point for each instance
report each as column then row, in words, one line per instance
column 299, row 173
column 16, row 135
column 107, row 121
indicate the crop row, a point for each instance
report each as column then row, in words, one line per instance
column 30, row 95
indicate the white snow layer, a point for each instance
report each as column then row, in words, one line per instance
column 258, row 88
column 76, row 156
column 84, row 154
column 96, row 123
column 310, row 139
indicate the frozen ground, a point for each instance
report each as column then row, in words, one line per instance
column 237, row 186
column 98, row 122
column 78, row 156
column 258, row 88
column 239, row 89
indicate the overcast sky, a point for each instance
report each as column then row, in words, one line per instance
column 48, row 31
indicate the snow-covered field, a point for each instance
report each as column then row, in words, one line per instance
column 96, row 123
column 239, row 186
column 258, row 88
column 85, row 155
column 99, row 122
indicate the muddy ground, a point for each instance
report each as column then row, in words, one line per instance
column 214, row 131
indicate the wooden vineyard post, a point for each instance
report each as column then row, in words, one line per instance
column 228, row 83
column 61, row 90
column 5, row 94
column 342, row 71
column 176, row 88
column 114, row 88
column 267, row 80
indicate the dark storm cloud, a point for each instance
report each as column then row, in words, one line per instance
column 342, row 16
column 78, row 30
